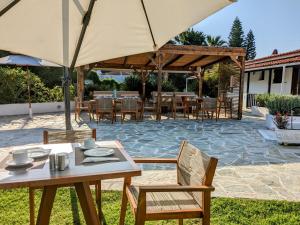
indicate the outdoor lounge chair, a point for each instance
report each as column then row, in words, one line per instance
column 190, row 198
column 104, row 106
column 129, row 106
column 58, row 137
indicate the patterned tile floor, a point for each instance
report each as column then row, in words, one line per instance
column 249, row 166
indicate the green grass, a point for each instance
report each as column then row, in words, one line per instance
column 225, row 211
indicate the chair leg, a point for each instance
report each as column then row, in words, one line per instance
column 180, row 222
column 31, row 206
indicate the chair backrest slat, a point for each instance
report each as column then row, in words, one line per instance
column 69, row 136
column 129, row 104
column 104, row 104
column 195, row 168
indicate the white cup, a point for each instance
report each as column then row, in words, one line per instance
column 89, row 143
column 20, row 156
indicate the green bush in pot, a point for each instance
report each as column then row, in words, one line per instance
column 278, row 103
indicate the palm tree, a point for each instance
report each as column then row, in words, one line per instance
column 215, row 41
column 191, row 37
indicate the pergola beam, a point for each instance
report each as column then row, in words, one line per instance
column 198, row 59
column 176, row 58
column 125, row 60
column 202, row 50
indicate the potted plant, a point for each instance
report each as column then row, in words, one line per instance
column 282, row 104
column 283, row 134
column 281, row 120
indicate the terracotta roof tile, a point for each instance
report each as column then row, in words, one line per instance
column 274, row 60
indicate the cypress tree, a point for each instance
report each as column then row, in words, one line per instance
column 250, row 46
column 236, row 36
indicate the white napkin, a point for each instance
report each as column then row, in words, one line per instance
column 99, row 159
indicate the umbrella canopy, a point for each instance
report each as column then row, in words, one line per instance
column 23, row 60
column 80, row 32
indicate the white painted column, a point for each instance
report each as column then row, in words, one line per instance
column 282, row 80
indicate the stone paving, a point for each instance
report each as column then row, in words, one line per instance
column 249, row 166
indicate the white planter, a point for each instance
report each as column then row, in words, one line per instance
column 23, row 108
column 259, row 111
column 287, row 136
column 269, row 122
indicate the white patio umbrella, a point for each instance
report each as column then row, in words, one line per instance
column 23, row 60
column 79, row 32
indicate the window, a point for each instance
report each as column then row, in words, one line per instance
column 277, row 76
column 262, row 75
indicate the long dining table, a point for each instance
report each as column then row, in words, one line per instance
column 77, row 174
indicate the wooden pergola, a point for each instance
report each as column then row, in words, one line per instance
column 190, row 59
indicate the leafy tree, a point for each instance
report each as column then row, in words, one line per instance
column 14, row 88
column 92, row 75
column 214, row 41
column 250, row 46
column 50, row 76
column 236, row 36
column 191, row 37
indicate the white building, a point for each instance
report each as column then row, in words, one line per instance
column 278, row 74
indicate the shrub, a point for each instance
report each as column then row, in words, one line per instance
column 279, row 103
column 261, row 99
column 14, row 88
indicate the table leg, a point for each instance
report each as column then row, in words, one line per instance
column 87, row 205
column 46, row 205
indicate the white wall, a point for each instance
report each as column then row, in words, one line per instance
column 258, row 86
column 23, row 109
column 287, row 83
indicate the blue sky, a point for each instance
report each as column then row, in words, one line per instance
column 275, row 23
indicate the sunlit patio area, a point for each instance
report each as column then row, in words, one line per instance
column 249, row 166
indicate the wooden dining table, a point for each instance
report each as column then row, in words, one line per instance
column 77, row 174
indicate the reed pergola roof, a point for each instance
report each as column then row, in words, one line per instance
column 180, row 58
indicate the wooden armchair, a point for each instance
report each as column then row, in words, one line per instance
column 190, row 198
column 81, row 106
column 129, row 106
column 209, row 105
column 224, row 103
column 105, row 106
column 58, row 137
column 180, row 103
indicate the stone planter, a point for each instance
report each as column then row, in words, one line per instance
column 269, row 122
column 287, row 136
column 259, row 111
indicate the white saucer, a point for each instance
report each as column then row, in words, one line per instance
column 36, row 153
column 12, row 163
column 99, row 152
column 86, row 148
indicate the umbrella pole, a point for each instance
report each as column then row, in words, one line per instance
column 67, row 98
column 29, row 96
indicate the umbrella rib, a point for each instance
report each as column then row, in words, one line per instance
column 85, row 21
column 148, row 22
column 8, row 7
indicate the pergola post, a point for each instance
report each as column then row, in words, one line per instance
column 241, row 60
column 200, row 76
column 159, row 85
column 80, row 83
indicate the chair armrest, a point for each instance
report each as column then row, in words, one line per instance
column 175, row 188
column 155, row 160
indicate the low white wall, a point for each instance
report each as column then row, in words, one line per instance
column 22, row 109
